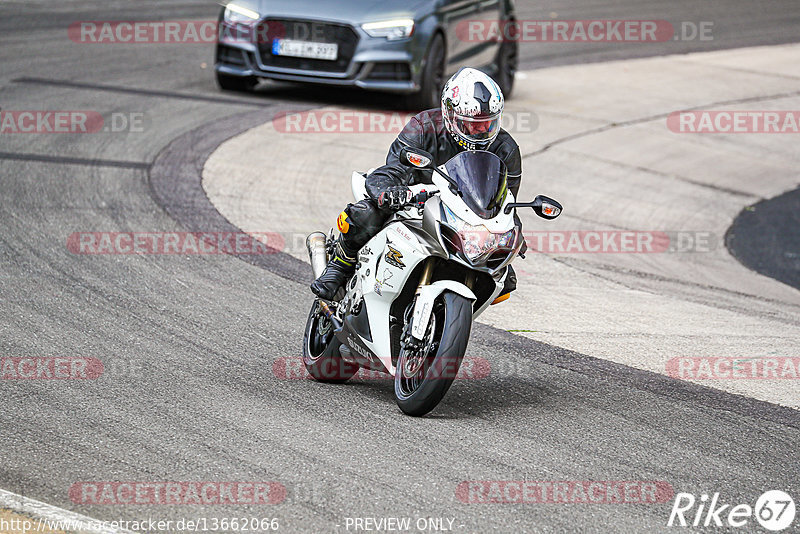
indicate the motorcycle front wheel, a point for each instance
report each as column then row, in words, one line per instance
column 321, row 354
column 423, row 376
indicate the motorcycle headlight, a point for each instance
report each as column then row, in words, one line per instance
column 235, row 14
column 392, row 30
column 477, row 242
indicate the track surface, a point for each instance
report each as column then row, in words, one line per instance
column 188, row 342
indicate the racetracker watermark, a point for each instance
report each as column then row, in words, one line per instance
column 132, row 32
column 583, row 31
column 564, row 492
column 699, row 368
column 720, row 121
column 288, row 368
column 618, row 242
column 68, row 122
column 257, row 243
column 372, row 122
column 53, row 368
column 180, row 243
column 206, row 493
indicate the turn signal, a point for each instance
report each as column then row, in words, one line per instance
column 500, row 299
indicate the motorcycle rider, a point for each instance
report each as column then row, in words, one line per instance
column 469, row 119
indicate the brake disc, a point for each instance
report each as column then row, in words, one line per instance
column 421, row 351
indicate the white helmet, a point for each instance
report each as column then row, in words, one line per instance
column 472, row 108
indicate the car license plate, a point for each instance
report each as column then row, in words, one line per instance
column 287, row 47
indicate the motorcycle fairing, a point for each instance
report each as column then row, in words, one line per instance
column 386, row 262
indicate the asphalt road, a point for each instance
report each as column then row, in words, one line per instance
column 188, row 342
column 726, row 24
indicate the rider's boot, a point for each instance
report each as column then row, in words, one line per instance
column 340, row 267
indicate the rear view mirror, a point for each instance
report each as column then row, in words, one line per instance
column 544, row 207
column 415, row 157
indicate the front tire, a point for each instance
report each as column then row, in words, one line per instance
column 321, row 354
column 420, row 392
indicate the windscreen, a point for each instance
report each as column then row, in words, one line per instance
column 482, row 178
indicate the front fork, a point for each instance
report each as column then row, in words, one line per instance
column 425, row 280
column 407, row 341
column 426, row 294
column 418, row 318
column 427, row 274
column 413, row 363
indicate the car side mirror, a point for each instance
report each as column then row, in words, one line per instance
column 414, row 157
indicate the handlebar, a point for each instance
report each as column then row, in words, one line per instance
column 420, row 198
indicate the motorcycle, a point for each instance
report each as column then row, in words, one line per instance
column 421, row 281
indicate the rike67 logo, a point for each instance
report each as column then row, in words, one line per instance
column 774, row 511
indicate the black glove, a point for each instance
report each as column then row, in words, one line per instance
column 394, row 198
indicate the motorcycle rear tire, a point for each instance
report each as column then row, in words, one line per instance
column 321, row 354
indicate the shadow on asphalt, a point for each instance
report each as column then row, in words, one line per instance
column 765, row 238
column 465, row 399
column 330, row 96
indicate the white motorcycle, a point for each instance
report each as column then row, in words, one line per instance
column 421, row 281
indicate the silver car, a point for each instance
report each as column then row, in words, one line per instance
column 400, row 46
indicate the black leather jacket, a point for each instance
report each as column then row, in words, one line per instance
column 427, row 131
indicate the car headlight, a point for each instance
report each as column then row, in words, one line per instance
column 477, row 241
column 235, row 14
column 390, row 29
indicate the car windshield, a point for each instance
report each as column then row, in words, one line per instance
column 482, row 178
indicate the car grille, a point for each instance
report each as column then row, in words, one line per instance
column 301, row 30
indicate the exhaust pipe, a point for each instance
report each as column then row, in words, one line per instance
column 317, row 253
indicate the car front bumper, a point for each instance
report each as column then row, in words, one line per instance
column 374, row 64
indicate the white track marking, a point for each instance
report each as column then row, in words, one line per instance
column 43, row 511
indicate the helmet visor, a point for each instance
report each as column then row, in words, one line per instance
column 478, row 128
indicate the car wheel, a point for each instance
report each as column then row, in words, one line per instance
column 507, row 62
column 433, row 80
column 227, row 82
